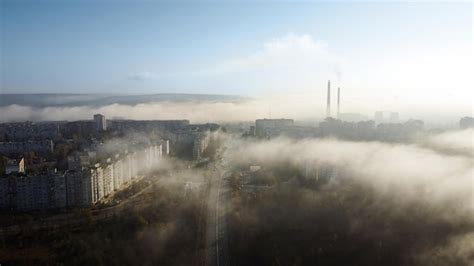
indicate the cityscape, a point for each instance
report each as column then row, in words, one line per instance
column 161, row 133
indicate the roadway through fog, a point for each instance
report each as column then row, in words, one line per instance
column 218, row 207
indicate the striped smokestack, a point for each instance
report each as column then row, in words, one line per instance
column 328, row 105
column 338, row 100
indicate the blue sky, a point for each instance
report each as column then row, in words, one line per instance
column 397, row 49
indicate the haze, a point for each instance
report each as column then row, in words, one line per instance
column 236, row 133
column 398, row 56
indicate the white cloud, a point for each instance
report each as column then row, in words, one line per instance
column 408, row 173
column 144, row 75
column 460, row 142
column 290, row 51
column 196, row 111
column 404, row 80
column 289, row 62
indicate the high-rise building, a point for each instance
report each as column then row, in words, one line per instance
column 100, row 122
column 83, row 184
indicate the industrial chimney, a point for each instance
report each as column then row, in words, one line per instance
column 338, row 100
column 328, row 106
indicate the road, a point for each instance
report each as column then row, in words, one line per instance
column 218, row 207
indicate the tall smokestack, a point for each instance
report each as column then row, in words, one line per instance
column 328, row 105
column 338, row 100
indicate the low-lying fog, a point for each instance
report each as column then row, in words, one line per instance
column 434, row 176
column 202, row 108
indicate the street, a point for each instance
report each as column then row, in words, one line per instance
column 218, row 207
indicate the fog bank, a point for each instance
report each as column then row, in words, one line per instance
column 408, row 173
column 459, row 141
column 297, row 106
column 414, row 200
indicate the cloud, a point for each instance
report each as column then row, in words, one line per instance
column 291, row 61
column 290, row 51
column 407, row 173
column 196, row 111
column 144, row 75
column 393, row 82
column 295, row 106
column 378, row 192
column 459, row 141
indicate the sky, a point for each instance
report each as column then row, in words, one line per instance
column 386, row 53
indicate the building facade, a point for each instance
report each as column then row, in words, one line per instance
column 100, row 122
column 84, row 184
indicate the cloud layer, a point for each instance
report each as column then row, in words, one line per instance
column 195, row 111
column 288, row 63
column 378, row 193
column 144, row 75
column 460, row 142
column 408, row 173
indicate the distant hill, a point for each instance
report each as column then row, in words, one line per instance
column 53, row 99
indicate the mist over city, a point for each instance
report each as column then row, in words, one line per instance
column 236, row 133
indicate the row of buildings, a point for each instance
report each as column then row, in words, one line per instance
column 330, row 127
column 188, row 141
column 41, row 147
column 60, row 164
column 87, row 181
